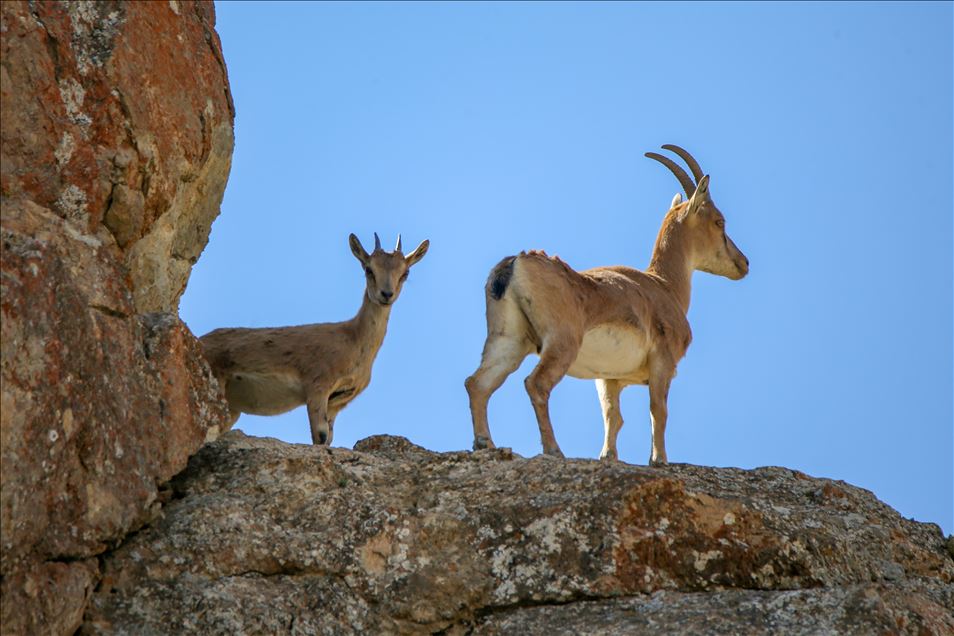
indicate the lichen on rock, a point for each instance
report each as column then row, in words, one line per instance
column 392, row 538
column 116, row 146
column 120, row 114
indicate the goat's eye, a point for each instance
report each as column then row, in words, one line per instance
column 368, row 272
column 720, row 224
column 404, row 276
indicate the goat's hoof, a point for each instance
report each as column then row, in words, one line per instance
column 483, row 443
column 609, row 456
column 554, row 452
column 658, row 462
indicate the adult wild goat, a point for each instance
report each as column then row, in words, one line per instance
column 616, row 325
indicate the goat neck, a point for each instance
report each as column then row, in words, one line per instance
column 671, row 261
column 371, row 323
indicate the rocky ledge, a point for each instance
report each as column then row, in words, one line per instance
column 260, row 536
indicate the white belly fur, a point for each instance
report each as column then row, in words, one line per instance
column 611, row 352
column 265, row 393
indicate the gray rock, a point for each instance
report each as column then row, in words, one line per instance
column 266, row 537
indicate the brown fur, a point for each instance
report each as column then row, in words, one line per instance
column 325, row 366
column 549, row 308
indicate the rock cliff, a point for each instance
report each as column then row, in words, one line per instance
column 116, row 146
column 117, row 117
column 259, row 536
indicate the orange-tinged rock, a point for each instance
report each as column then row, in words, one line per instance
column 116, row 147
column 120, row 106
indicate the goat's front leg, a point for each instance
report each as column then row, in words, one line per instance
column 319, row 416
column 609, row 391
column 332, row 415
column 660, row 376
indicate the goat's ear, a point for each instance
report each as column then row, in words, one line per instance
column 357, row 249
column 676, row 200
column 700, row 196
column 418, row 253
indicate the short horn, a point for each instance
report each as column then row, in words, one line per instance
column 377, row 242
column 684, row 179
column 692, row 163
column 398, row 247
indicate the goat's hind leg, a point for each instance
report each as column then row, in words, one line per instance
column 234, row 412
column 555, row 359
column 501, row 356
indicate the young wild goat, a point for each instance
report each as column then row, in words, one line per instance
column 616, row 325
column 325, row 366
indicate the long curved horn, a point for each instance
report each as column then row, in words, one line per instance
column 684, row 179
column 398, row 248
column 377, row 242
column 692, row 163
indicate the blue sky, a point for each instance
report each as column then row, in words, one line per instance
column 493, row 128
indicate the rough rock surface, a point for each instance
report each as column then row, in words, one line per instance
column 118, row 115
column 260, row 536
column 99, row 405
column 116, row 143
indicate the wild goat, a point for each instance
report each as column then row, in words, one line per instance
column 616, row 325
column 325, row 366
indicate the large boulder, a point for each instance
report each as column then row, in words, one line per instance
column 116, row 145
column 266, row 537
column 118, row 116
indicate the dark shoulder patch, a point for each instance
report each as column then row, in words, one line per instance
column 500, row 278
